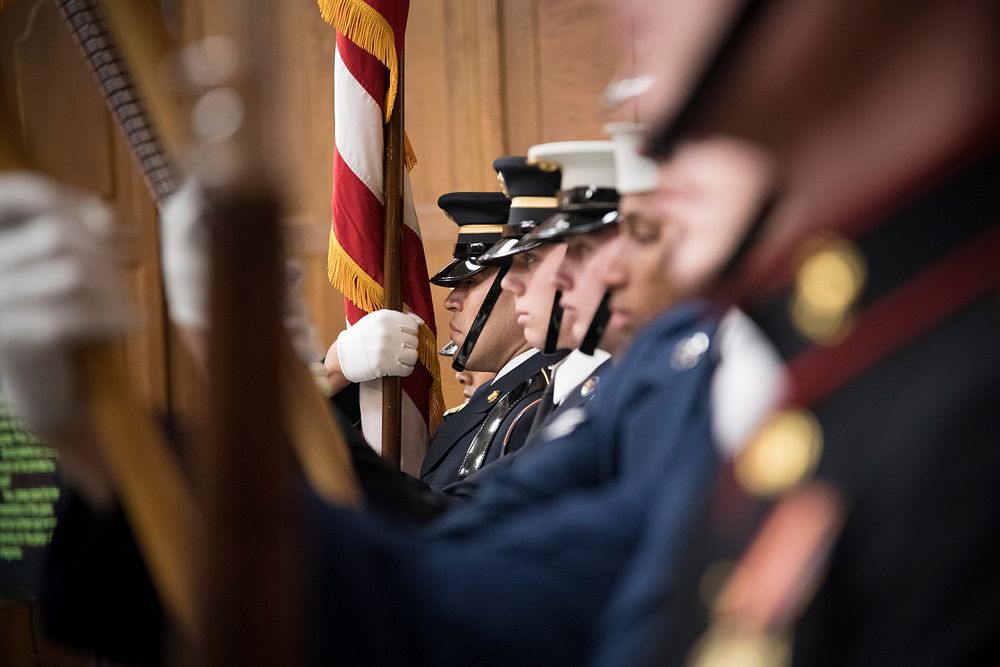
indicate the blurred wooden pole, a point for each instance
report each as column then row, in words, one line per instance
column 392, row 268
column 252, row 580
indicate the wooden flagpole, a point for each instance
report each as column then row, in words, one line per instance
column 392, row 267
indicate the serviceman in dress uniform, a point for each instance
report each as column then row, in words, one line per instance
column 544, row 546
column 496, row 419
column 486, row 338
column 586, row 194
column 532, row 190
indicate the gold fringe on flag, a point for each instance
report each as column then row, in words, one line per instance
column 369, row 30
column 427, row 352
column 364, row 26
column 364, row 292
column 352, row 281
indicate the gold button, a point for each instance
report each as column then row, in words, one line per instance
column 728, row 648
column 784, row 452
column 494, row 395
column 589, row 385
column 827, row 285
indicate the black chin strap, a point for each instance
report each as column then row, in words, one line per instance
column 461, row 357
column 597, row 326
column 555, row 323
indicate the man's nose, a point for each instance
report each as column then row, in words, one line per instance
column 513, row 283
column 453, row 302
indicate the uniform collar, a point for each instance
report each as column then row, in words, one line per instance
column 573, row 370
column 514, row 363
column 517, row 370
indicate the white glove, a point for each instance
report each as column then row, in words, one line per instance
column 296, row 319
column 379, row 344
column 184, row 247
column 59, row 288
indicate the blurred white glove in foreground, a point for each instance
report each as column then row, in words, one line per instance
column 60, row 288
column 379, row 344
column 184, row 248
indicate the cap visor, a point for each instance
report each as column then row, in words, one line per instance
column 456, row 271
column 504, row 249
column 570, row 223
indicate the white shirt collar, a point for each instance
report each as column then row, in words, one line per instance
column 573, row 370
column 514, row 363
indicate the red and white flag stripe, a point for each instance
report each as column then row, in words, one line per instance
column 368, row 37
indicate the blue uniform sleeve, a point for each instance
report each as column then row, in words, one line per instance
column 521, row 592
column 635, row 617
column 644, row 406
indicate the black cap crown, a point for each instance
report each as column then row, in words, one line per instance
column 480, row 217
column 532, row 190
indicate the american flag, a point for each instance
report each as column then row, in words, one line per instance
column 369, row 41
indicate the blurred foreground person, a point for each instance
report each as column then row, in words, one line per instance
column 858, row 526
column 550, row 540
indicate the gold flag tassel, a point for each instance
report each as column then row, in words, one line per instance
column 409, row 156
column 427, row 351
column 364, row 292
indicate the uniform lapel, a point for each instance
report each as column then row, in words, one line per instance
column 456, row 426
column 582, row 393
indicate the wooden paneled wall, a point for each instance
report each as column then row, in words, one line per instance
column 484, row 78
column 491, row 78
column 48, row 92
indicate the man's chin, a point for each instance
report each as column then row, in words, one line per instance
column 535, row 339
